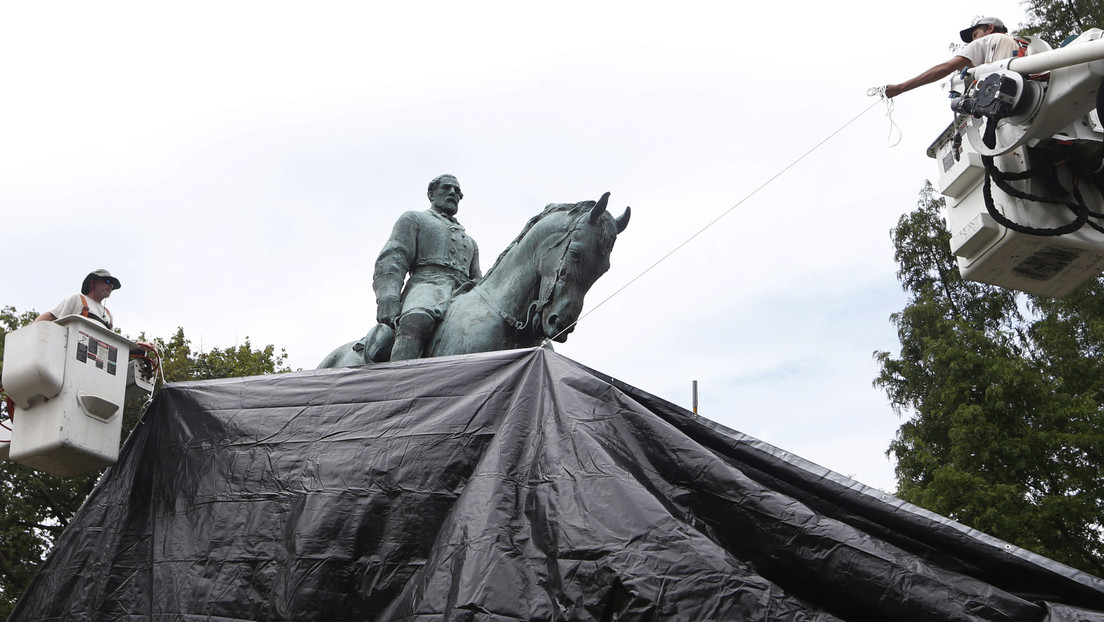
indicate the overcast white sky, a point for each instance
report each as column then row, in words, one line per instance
column 239, row 165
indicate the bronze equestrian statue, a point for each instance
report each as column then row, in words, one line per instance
column 533, row 292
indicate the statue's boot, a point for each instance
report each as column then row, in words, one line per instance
column 415, row 330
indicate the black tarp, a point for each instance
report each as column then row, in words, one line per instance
column 512, row 485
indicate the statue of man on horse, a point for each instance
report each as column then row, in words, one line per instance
column 433, row 248
column 533, row 293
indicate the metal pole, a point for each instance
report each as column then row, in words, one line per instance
column 695, row 397
column 1073, row 54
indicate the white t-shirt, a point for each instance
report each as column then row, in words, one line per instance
column 72, row 305
column 989, row 49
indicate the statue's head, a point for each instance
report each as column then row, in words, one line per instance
column 444, row 194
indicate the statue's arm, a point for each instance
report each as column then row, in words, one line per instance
column 392, row 266
column 473, row 271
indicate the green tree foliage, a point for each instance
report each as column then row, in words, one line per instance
column 180, row 362
column 1004, row 398
column 36, row 507
column 1055, row 20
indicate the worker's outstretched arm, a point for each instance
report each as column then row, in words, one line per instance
column 956, row 63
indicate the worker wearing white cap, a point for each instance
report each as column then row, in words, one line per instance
column 97, row 286
column 987, row 40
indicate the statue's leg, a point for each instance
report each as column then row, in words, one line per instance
column 413, row 333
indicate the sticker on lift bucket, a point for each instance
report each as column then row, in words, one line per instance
column 104, row 355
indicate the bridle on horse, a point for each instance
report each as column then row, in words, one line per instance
column 547, row 285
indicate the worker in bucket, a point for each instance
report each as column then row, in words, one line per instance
column 97, row 286
column 987, row 41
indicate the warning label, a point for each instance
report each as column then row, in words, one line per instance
column 99, row 353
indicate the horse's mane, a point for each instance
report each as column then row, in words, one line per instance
column 551, row 208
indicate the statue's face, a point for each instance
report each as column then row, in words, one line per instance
column 445, row 198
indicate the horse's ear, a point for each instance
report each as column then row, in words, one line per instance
column 623, row 220
column 599, row 207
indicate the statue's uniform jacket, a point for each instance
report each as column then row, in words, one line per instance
column 437, row 253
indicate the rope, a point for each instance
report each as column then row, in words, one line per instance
column 718, row 218
column 879, row 91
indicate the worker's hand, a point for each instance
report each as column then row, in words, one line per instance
column 387, row 310
column 893, row 90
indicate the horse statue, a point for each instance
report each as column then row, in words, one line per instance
column 534, row 291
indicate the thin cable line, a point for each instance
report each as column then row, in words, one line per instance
column 718, row 218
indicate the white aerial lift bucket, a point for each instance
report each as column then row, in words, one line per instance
column 1037, row 233
column 68, row 380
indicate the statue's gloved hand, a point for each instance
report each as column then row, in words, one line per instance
column 387, row 310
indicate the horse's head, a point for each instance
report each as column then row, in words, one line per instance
column 571, row 263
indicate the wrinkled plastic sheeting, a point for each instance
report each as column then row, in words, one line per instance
column 513, row 485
